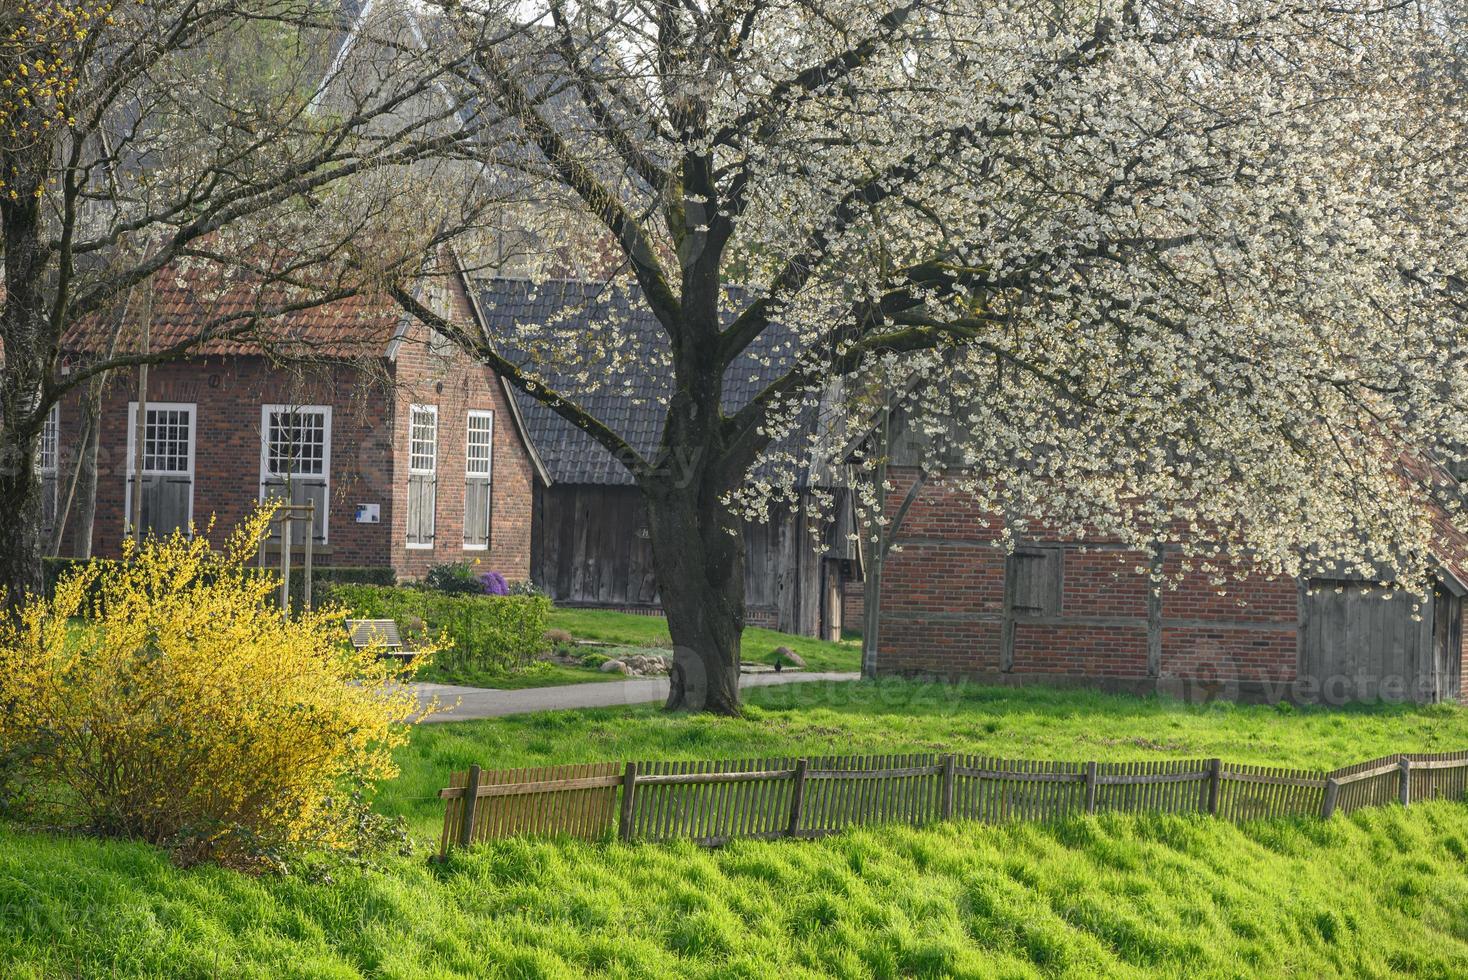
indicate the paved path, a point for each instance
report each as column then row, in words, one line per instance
column 478, row 702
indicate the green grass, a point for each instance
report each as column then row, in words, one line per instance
column 901, row 716
column 539, row 674
column 638, row 634
column 1382, row 892
column 627, row 629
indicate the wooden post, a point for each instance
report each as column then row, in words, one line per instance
column 471, row 799
column 306, row 565
column 797, row 798
column 1215, row 780
column 1406, row 788
column 285, row 564
column 1090, row 787
column 1327, row 806
column 629, row 786
column 140, row 424
column 950, row 763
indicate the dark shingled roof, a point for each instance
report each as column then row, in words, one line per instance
column 631, row 384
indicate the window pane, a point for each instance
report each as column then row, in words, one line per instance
column 479, row 448
column 296, row 442
column 422, row 439
column 166, row 441
column 50, row 439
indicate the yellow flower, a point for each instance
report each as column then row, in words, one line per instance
column 179, row 707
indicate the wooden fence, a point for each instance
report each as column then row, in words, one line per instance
column 713, row 802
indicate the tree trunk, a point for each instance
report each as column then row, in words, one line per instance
column 699, row 565
column 26, row 335
column 871, row 619
column 20, row 520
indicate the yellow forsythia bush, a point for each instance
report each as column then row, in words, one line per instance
column 162, row 698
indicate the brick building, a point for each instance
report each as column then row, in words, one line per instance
column 410, row 451
column 955, row 603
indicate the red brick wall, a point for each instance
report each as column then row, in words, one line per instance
column 853, row 606
column 228, row 394
column 943, row 609
column 456, row 385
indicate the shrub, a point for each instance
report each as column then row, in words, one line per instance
column 494, row 633
column 176, row 708
column 454, row 578
column 525, row 587
column 466, row 578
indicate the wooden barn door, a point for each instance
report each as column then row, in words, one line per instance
column 1361, row 643
column 1447, row 645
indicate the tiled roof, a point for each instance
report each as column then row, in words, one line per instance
column 202, row 299
column 629, row 384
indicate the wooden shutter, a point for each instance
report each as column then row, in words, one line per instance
column 1034, row 581
column 165, row 500
column 421, row 490
column 304, row 492
column 48, row 502
column 476, row 511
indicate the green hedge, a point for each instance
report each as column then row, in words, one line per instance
column 496, row 633
column 321, row 575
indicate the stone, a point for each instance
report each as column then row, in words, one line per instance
column 788, row 657
column 614, row 667
column 643, row 665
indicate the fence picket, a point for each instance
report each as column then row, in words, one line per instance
column 712, row 802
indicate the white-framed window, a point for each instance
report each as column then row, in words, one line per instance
column 168, row 466
column 295, row 461
column 422, row 474
column 48, row 466
column 478, row 473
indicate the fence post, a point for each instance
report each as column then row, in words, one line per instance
column 1090, row 787
column 1215, row 779
column 950, row 763
column 1332, row 791
column 797, row 798
column 471, row 799
column 310, row 537
column 285, row 566
column 1406, row 789
column 629, row 786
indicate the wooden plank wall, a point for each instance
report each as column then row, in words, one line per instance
column 589, row 546
column 713, row 802
column 1359, row 639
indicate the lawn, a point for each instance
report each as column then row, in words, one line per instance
column 903, row 716
column 626, row 629
column 541, row 673
column 628, row 633
column 1380, row 892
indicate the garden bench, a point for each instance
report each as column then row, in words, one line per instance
column 365, row 632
